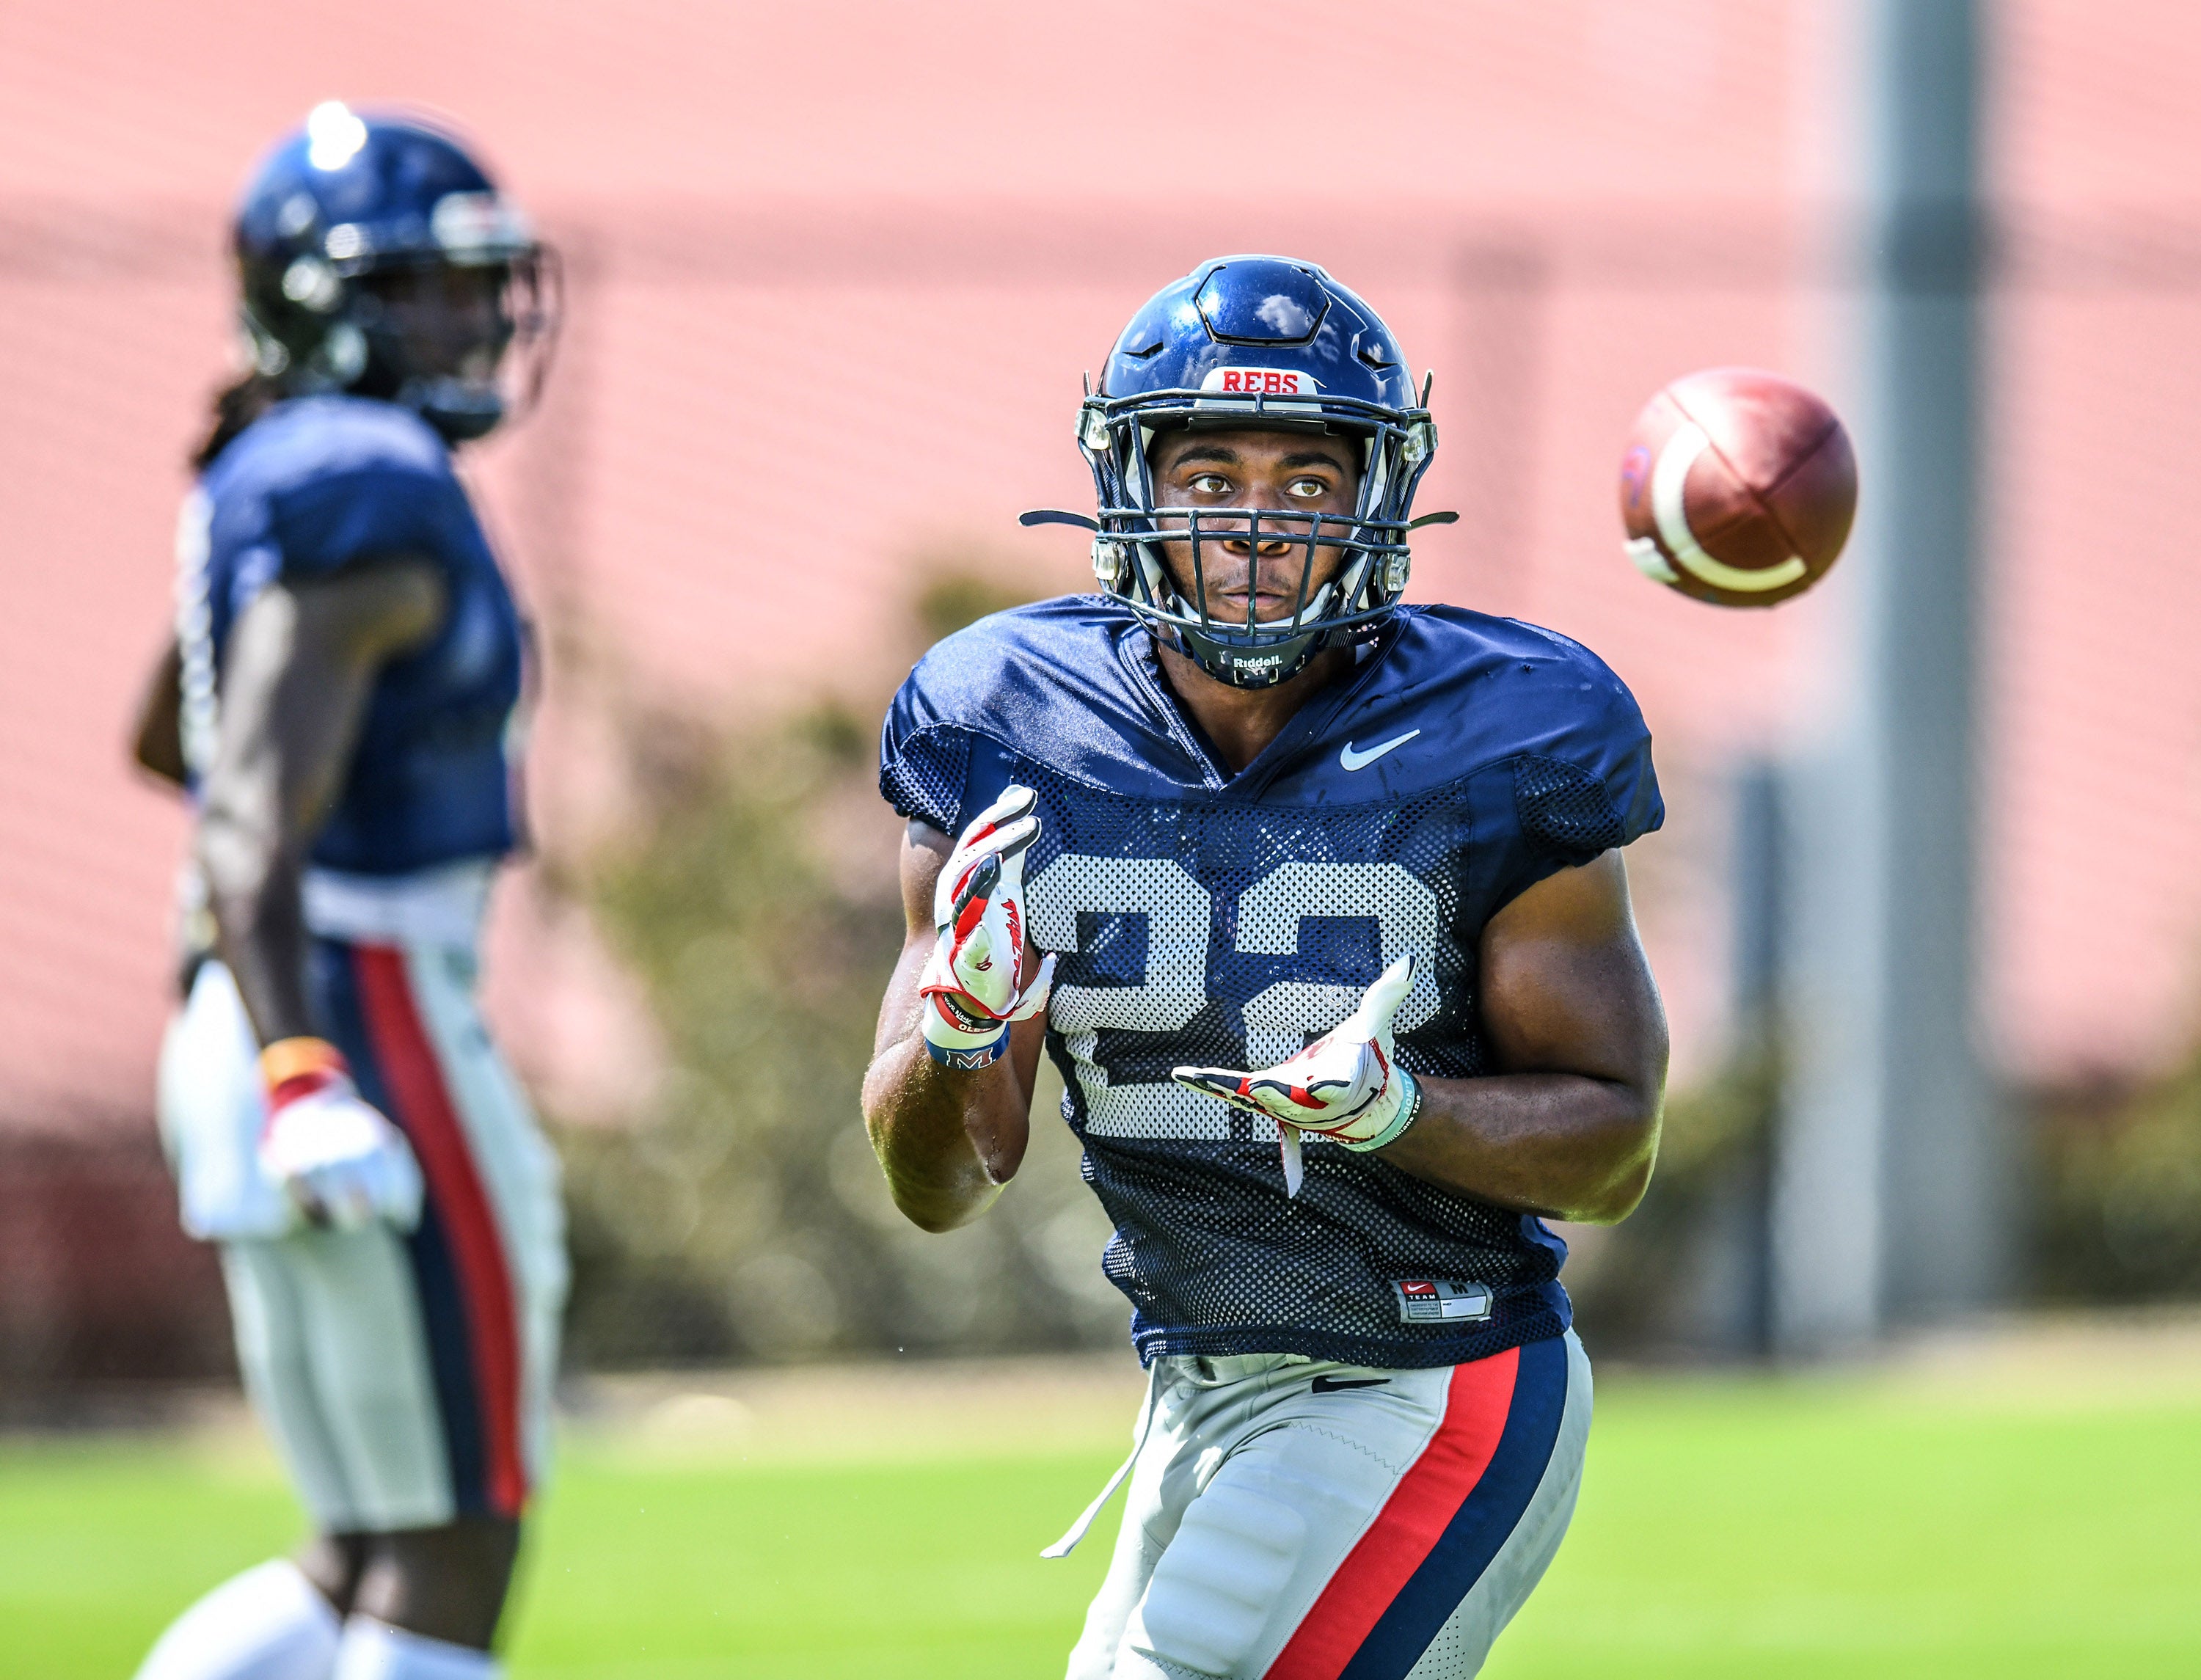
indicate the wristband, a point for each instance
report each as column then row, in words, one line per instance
column 955, row 1018
column 959, row 1038
column 1410, row 1110
column 979, row 1055
column 290, row 1067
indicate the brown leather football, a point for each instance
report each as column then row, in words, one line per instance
column 1738, row 487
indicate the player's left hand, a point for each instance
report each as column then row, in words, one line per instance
column 343, row 1164
column 1347, row 1084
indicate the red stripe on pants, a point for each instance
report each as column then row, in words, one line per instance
column 1412, row 1520
column 414, row 1078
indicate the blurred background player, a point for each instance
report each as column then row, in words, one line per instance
column 1255, row 811
column 346, row 672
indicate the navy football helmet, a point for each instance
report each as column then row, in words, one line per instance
column 1260, row 342
column 353, row 199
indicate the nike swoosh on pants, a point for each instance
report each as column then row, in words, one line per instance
column 1330, row 1385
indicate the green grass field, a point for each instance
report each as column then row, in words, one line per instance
column 1833, row 1527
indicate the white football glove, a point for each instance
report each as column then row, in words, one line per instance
column 973, row 988
column 341, row 1160
column 1347, row 1084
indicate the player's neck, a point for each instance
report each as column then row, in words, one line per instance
column 1240, row 723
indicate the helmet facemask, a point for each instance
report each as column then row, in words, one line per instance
column 464, row 368
column 371, row 338
column 1330, row 606
column 378, row 258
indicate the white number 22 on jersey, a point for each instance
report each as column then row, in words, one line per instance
column 1278, row 1019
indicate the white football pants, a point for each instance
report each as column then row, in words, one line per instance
column 1298, row 1520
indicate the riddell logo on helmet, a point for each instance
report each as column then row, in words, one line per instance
column 1261, row 382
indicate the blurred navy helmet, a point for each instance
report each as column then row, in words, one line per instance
column 1270, row 343
column 332, row 222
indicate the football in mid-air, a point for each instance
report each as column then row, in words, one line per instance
column 1738, row 487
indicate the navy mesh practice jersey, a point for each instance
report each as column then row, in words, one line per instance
column 1226, row 920
column 311, row 487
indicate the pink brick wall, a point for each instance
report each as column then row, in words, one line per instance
column 838, row 268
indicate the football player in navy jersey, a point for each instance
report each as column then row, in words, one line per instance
column 338, row 701
column 1315, row 898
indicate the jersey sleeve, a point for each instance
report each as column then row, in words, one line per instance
column 1584, row 786
column 922, row 762
column 334, row 519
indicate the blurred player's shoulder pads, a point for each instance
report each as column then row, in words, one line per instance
column 321, row 481
column 314, row 437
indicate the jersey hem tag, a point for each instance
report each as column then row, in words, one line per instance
column 1437, row 1301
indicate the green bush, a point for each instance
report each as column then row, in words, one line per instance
column 1684, row 1273
column 745, row 1216
column 2118, row 1206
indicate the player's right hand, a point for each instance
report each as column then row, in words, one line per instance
column 973, row 989
column 1347, row 1085
column 341, row 1160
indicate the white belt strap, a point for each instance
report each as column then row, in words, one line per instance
column 1064, row 1547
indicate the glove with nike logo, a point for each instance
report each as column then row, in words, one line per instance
column 1347, row 1085
column 343, row 1162
column 973, row 985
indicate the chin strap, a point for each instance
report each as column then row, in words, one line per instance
column 460, row 410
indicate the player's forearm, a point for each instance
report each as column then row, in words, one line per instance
column 1564, row 1145
column 301, row 666
column 253, row 888
column 949, row 1139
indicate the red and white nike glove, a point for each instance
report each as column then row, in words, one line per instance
column 341, row 1160
column 1347, row 1085
column 973, row 985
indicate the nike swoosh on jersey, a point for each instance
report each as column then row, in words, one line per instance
column 1330, row 1385
column 1353, row 760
